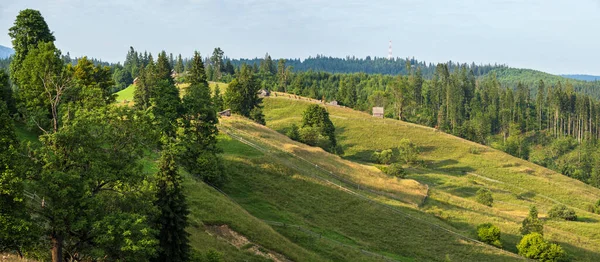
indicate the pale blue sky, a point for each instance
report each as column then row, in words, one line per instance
column 552, row 36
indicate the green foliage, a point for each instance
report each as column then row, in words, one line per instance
column 317, row 116
column 396, row 170
column 142, row 92
column 533, row 246
column 563, row 212
column 293, row 133
column 199, row 155
column 40, row 72
column 384, row 157
column 516, row 144
column 242, row 95
column 532, row 224
column 489, row 234
column 28, row 31
column 218, row 99
column 595, row 208
column 122, row 78
column 163, row 68
column 166, row 106
column 90, row 175
column 173, row 210
column 179, row 65
column 309, row 135
column 408, row 151
column 16, row 227
column 6, row 93
column 93, row 85
column 484, row 197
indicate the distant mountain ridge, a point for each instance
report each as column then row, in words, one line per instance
column 6, row 52
column 582, row 77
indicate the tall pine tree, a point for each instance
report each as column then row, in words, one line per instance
column 173, row 210
column 200, row 154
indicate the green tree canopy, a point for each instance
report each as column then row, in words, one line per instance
column 242, row 95
column 317, row 116
column 534, row 246
column 28, row 31
column 484, row 196
column 199, row 156
column 489, row 234
column 16, row 226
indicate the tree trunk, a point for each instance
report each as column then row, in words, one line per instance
column 57, row 254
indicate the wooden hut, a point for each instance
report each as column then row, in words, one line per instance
column 378, row 112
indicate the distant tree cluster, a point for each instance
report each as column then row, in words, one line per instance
column 316, row 129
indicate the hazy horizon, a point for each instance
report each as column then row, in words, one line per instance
column 551, row 36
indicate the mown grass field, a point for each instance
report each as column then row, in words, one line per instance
column 455, row 169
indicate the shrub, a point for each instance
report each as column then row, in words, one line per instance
column 484, row 196
column 409, row 152
column 594, row 208
column 534, row 246
column 532, row 224
column 562, row 211
column 395, row 169
column 293, row 133
column 383, row 157
column 309, row 135
column 489, row 234
column 475, row 150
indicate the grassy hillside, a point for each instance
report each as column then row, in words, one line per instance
column 454, row 174
column 288, row 182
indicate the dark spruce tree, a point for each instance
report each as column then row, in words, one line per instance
column 173, row 210
column 200, row 155
column 163, row 95
column 242, row 95
column 218, row 99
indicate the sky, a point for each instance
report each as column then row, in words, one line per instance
column 558, row 37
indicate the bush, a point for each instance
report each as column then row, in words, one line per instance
column 532, row 224
column 562, row 211
column 594, row 208
column 409, row 152
column 484, row 196
column 309, row 135
column 489, row 234
column 384, row 157
column 293, row 133
column 396, row 170
column 534, row 246
column 475, row 150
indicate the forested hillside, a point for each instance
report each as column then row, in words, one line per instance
column 583, row 77
column 375, row 65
